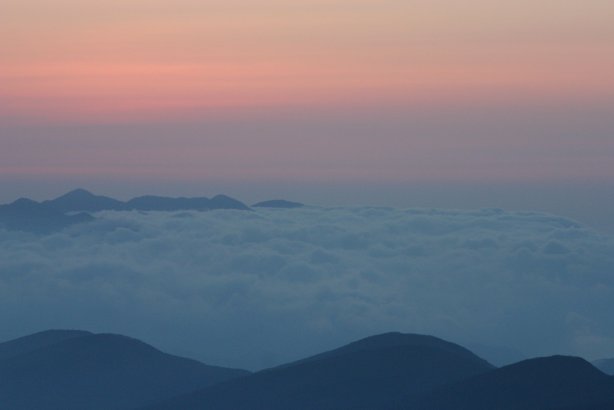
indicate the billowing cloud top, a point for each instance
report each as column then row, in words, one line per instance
column 254, row 289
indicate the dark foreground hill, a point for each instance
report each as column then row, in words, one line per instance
column 374, row 373
column 31, row 216
column 36, row 341
column 67, row 370
column 536, row 384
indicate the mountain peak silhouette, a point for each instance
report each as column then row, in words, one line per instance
column 78, row 193
column 36, row 341
column 24, row 202
column 82, row 200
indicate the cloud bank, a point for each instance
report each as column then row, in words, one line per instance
column 255, row 289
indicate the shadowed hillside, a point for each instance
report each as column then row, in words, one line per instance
column 543, row 383
column 70, row 369
column 372, row 373
column 80, row 370
column 36, row 341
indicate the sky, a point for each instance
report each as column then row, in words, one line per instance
column 318, row 91
column 388, row 102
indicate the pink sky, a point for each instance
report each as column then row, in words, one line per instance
column 313, row 90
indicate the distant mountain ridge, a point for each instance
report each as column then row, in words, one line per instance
column 74, row 208
column 278, row 203
column 82, row 200
column 31, row 216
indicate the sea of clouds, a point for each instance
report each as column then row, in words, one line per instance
column 255, row 289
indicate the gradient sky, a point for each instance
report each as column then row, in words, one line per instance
column 180, row 95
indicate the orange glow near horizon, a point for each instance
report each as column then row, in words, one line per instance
column 74, row 60
column 85, row 89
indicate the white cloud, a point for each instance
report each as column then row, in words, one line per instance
column 253, row 289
